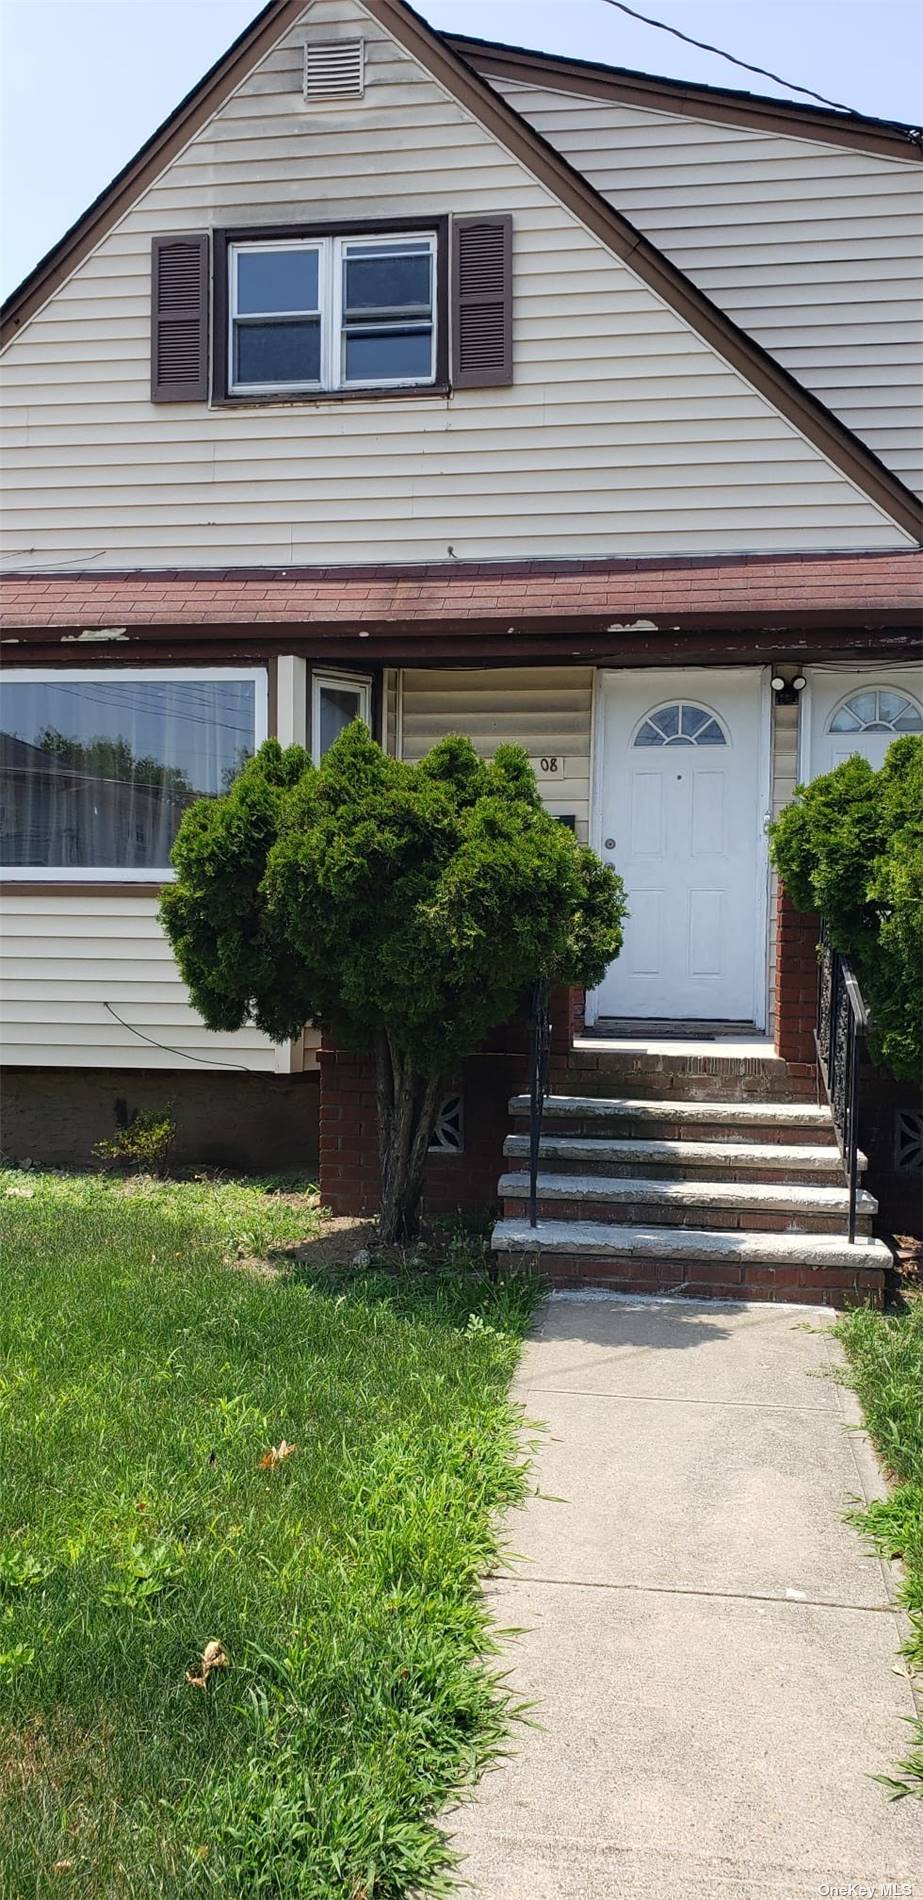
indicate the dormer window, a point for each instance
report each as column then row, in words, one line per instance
column 325, row 314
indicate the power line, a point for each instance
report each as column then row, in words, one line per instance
column 704, row 47
column 208, row 1062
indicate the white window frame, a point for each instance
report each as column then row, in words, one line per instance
column 359, row 683
column 321, row 247
column 331, row 259
column 55, row 676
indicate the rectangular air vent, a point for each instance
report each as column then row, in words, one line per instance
column 333, row 69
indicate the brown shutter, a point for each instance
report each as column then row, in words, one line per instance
column 179, row 319
column 482, row 301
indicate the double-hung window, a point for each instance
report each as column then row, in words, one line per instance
column 98, row 766
column 328, row 314
column 276, row 327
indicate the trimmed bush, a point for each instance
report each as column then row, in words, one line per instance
column 850, row 846
column 407, row 908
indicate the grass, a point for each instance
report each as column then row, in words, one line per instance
column 142, row 1382
column 885, row 1353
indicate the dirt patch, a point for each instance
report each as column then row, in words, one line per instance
column 338, row 1240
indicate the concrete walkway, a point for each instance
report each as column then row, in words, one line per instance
column 711, row 1652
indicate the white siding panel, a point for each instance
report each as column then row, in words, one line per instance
column 623, row 432
column 783, row 233
column 545, row 709
column 63, row 958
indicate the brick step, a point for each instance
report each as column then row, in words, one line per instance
column 643, row 1157
column 692, row 1074
column 725, row 1205
column 816, row 1269
column 800, row 1122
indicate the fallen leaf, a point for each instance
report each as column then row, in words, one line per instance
column 63, row 1867
column 20, row 1194
column 214, row 1656
column 277, row 1454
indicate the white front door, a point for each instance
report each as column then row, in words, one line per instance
column 681, row 818
column 854, row 711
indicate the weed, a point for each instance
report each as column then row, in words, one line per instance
column 144, row 1145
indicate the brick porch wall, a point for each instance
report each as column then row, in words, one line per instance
column 795, row 987
column 463, row 1183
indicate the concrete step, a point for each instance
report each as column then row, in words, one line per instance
column 725, row 1205
column 817, row 1268
column 668, row 1119
column 659, row 1160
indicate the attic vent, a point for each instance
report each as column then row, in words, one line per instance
column 334, row 69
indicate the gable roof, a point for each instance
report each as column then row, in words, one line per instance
column 756, row 112
column 451, row 68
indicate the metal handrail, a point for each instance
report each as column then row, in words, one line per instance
column 539, row 1066
column 841, row 1023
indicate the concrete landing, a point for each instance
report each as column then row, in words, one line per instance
column 711, row 1653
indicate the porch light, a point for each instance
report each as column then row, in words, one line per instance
column 787, row 691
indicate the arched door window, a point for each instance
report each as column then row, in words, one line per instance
column 877, row 709
column 680, row 724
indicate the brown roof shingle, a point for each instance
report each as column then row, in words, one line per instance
column 533, row 593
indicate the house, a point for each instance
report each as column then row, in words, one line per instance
column 462, row 387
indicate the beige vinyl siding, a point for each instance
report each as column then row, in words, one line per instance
column 623, row 433
column 546, row 709
column 785, row 731
column 63, row 958
column 816, row 250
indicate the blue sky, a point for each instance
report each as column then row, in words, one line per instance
column 85, row 81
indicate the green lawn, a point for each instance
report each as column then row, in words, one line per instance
column 144, row 1377
column 885, row 1353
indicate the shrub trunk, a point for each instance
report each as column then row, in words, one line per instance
column 408, row 1104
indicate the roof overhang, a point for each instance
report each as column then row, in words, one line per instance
column 641, row 611
column 754, row 112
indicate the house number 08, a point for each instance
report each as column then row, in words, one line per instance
column 549, row 765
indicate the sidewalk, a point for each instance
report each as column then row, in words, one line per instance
column 711, row 1652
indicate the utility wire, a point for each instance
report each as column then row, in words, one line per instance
column 208, row 1062
column 704, row 47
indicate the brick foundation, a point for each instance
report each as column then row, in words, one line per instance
column 257, row 1124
